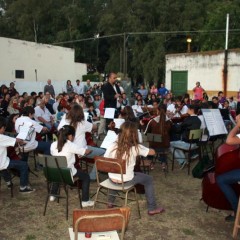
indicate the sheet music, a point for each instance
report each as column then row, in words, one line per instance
column 110, row 138
column 86, row 114
column 118, row 122
column 109, row 113
column 214, row 122
column 25, row 132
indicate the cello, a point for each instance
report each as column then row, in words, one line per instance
column 227, row 159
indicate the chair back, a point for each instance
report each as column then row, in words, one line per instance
column 55, row 169
column 111, row 165
column 195, row 135
column 100, row 220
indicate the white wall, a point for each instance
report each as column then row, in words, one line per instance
column 39, row 62
column 207, row 68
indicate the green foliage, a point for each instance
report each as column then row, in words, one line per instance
column 69, row 20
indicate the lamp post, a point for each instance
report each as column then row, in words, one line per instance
column 189, row 40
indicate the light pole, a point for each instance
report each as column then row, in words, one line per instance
column 189, row 40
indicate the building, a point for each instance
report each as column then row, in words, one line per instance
column 31, row 64
column 185, row 69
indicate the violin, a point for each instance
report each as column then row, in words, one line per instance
column 227, row 158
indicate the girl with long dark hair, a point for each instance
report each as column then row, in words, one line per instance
column 75, row 117
column 64, row 146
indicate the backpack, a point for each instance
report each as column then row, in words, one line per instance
column 203, row 166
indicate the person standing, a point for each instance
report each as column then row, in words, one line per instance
column 198, row 92
column 111, row 91
column 79, row 88
column 49, row 88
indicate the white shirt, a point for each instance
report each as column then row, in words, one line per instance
column 82, row 128
column 79, row 89
column 69, row 150
column 44, row 113
column 32, row 144
column 5, row 141
column 111, row 153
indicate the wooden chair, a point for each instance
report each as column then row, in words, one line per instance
column 101, row 220
column 147, row 164
column 110, row 165
column 194, row 136
column 56, row 171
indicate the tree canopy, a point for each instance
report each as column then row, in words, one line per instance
column 152, row 29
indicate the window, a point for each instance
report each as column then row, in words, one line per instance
column 19, row 73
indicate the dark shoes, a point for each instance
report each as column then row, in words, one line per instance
column 156, row 211
column 230, row 218
column 27, row 189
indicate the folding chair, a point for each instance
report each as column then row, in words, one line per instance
column 194, row 136
column 56, row 171
column 101, row 220
column 110, row 165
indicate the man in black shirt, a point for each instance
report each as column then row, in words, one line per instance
column 190, row 123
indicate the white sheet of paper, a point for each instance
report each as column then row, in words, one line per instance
column 86, row 115
column 112, row 235
column 109, row 113
column 24, row 132
column 118, row 122
column 110, row 138
column 214, row 122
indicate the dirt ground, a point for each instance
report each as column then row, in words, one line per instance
column 185, row 216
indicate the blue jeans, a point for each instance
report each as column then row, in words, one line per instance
column 43, row 147
column 95, row 152
column 179, row 154
column 22, row 167
column 147, row 182
column 225, row 181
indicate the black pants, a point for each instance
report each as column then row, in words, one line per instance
column 82, row 176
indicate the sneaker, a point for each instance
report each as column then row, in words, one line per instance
column 194, row 156
column 52, row 198
column 183, row 164
column 88, row 203
column 27, row 190
column 9, row 185
column 230, row 218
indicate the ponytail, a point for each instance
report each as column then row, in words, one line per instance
column 63, row 134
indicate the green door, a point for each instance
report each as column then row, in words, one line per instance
column 179, row 81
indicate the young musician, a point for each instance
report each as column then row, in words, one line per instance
column 161, row 124
column 6, row 163
column 128, row 147
column 64, row 146
column 75, row 117
column 226, row 180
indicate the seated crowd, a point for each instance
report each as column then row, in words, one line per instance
column 79, row 110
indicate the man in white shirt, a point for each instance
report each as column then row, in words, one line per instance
column 79, row 88
column 6, row 163
column 43, row 115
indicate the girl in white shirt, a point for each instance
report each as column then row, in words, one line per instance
column 75, row 117
column 64, row 146
column 128, row 147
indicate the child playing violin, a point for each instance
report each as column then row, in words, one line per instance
column 127, row 147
